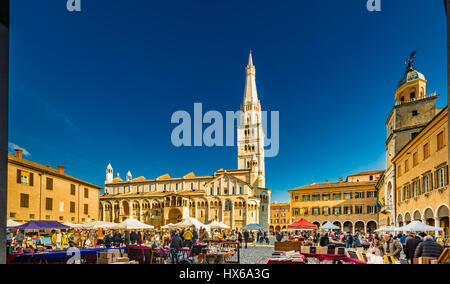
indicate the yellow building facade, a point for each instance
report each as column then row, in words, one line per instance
column 350, row 205
column 280, row 216
column 38, row 192
column 422, row 176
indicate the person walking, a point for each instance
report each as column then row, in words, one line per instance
column 279, row 237
column 133, row 237
column 392, row 247
column 117, row 239
column 108, row 240
column 428, row 248
column 348, row 239
column 324, row 240
column 139, row 238
column 176, row 244
column 188, row 236
column 246, row 237
column 412, row 241
column 20, row 237
column 126, row 238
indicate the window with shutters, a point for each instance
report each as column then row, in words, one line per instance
column 326, row 211
column 72, row 189
column 86, row 209
column 371, row 209
column 25, row 178
column 316, row 211
column 426, row 184
column 358, row 209
column 348, row 196
column 305, row 197
column 359, row 195
column 49, row 183
column 440, row 141
column 440, row 178
column 415, row 159
column 24, row 200
column 426, row 151
column 406, row 192
column 415, row 188
column 49, row 204
column 348, row 210
column 406, row 166
column 72, row 207
column 337, row 210
column 316, row 197
column 86, row 192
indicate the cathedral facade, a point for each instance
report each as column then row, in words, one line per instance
column 235, row 197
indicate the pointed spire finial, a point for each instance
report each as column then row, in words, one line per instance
column 250, row 60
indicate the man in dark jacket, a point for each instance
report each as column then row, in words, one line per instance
column 108, row 240
column 246, row 237
column 428, row 248
column 117, row 238
column 324, row 241
column 348, row 239
column 175, row 244
column 412, row 241
column 279, row 237
column 126, row 238
column 133, row 237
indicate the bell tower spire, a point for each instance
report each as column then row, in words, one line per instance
column 250, row 132
column 250, row 93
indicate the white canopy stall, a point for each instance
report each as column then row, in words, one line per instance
column 329, row 226
column 189, row 222
column 11, row 223
column 387, row 229
column 133, row 224
column 417, row 226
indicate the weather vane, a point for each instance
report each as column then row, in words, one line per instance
column 410, row 60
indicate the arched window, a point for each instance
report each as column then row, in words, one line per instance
column 228, row 205
column 412, row 95
column 402, row 99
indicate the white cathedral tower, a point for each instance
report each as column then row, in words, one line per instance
column 250, row 134
column 109, row 174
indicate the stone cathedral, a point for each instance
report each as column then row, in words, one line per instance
column 235, row 197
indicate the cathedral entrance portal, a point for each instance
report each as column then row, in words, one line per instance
column 175, row 216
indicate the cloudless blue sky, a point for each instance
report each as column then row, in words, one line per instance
column 100, row 86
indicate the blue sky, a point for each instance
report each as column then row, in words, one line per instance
column 100, row 86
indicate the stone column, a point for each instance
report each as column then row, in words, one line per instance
column 195, row 210
column 437, row 222
column 222, row 214
column 113, row 213
column 140, row 212
column 207, row 211
column 232, row 216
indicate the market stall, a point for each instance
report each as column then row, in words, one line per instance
column 133, row 224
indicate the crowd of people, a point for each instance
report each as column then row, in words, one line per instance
column 406, row 246
column 94, row 238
